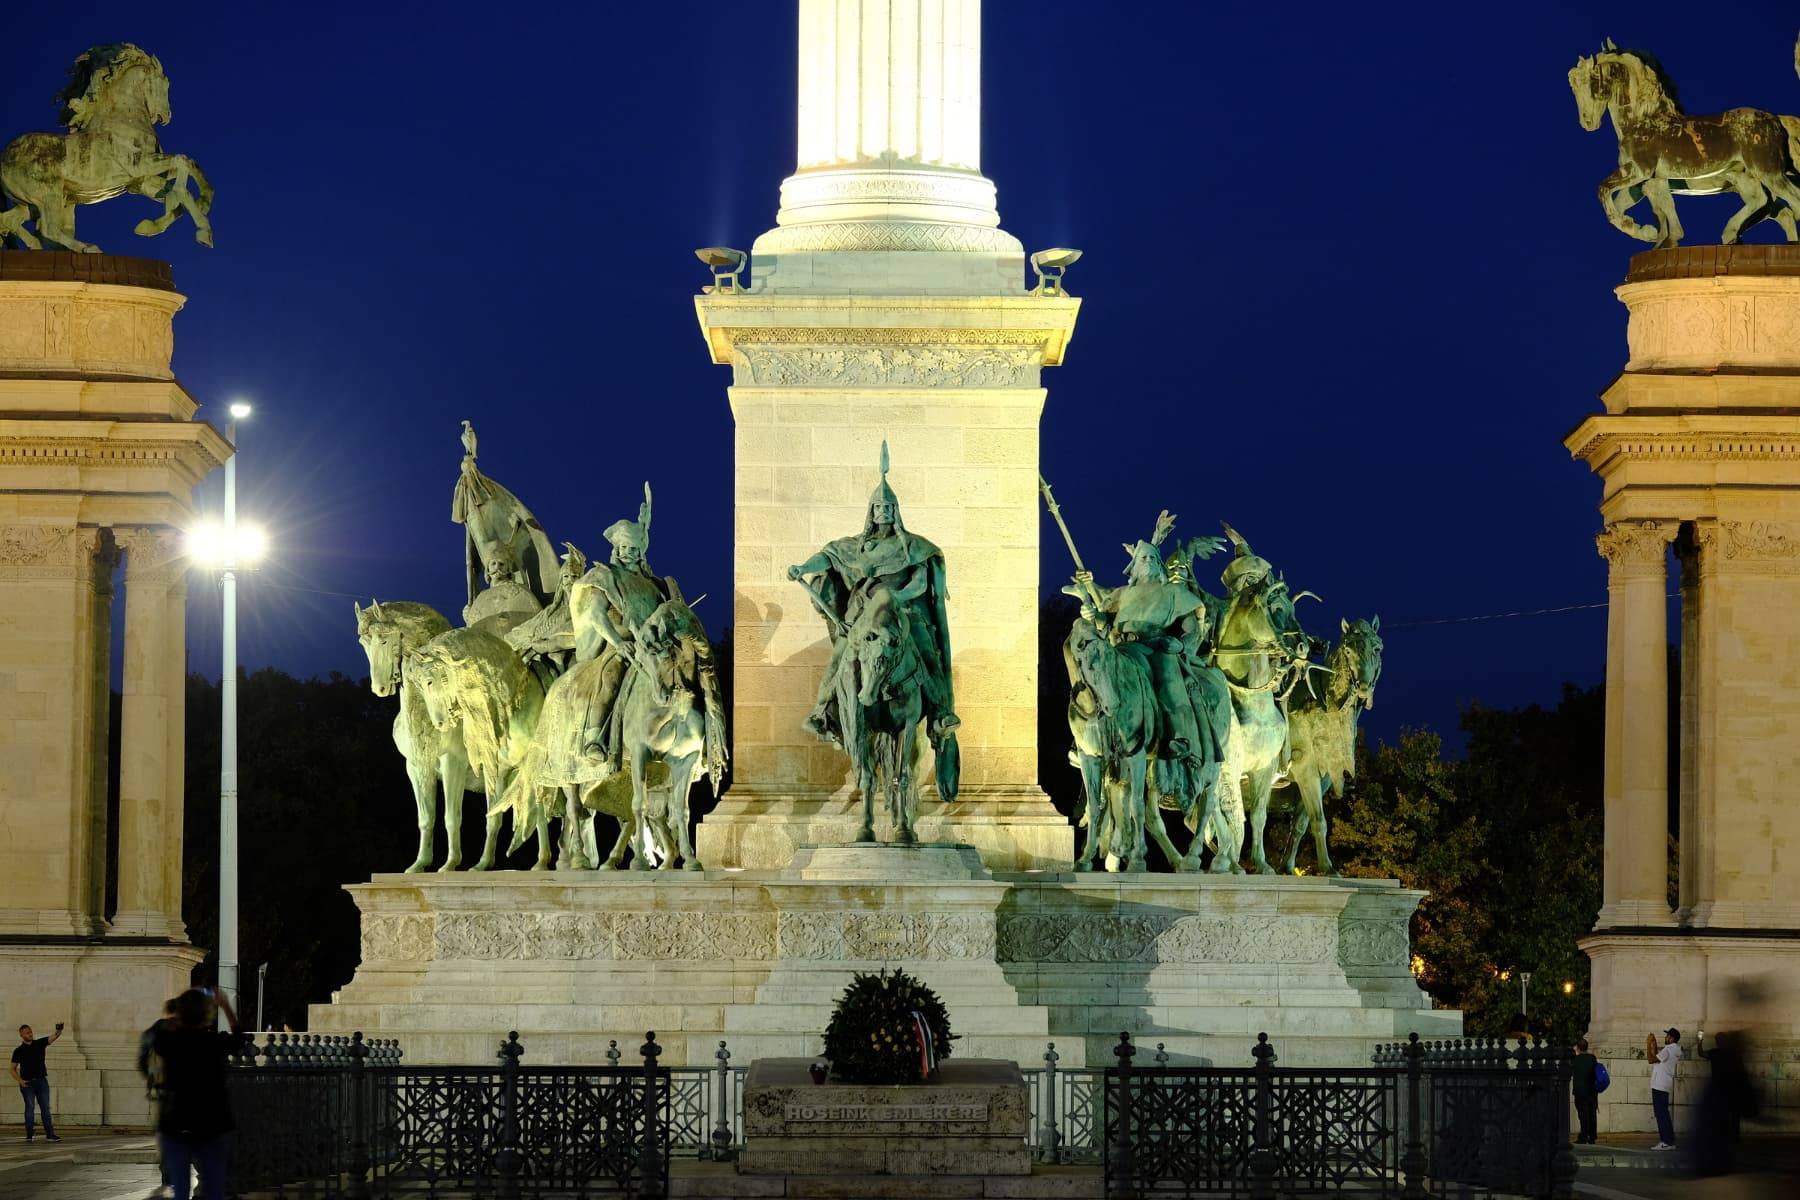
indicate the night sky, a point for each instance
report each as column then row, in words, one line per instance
column 1345, row 283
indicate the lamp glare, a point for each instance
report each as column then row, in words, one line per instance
column 239, row 410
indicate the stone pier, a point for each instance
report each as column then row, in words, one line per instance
column 887, row 305
column 1698, row 453
column 99, row 454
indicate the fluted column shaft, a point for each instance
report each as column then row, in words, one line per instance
column 890, row 77
column 150, row 799
column 1634, row 887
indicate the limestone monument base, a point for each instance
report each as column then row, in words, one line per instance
column 971, row 1119
column 99, row 453
column 573, row 960
column 1698, row 452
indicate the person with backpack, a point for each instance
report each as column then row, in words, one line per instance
column 151, row 1068
column 1587, row 1080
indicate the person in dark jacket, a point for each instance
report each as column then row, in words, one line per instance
column 1587, row 1092
column 1728, row 1097
column 150, row 1067
column 194, row 1124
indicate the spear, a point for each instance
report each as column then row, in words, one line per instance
column 1068, row 539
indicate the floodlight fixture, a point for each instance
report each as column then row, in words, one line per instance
column 1050, row 265
column 239, row 410
column 212, row 543
column 726, row 264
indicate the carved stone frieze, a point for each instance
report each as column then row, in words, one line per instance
column 944, row 936
column 405, row 937
column 153, row 554
column 890, row 366
column 83, row 553
column 811, row 935
column 1703, row 323
column 1374, row 943
column 1128, row 938
column 1636, row 543
column 1748, row 539
column 693, row 935
column 886, row 235
column 828, row 335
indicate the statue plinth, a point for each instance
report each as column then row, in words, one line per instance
column 880, row 861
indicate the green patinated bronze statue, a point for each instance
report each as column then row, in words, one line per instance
column 116, row 97
column 1663, row 152
column 882, row 593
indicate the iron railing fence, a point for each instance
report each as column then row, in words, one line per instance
column 1464, row 1118
column 346, row 1130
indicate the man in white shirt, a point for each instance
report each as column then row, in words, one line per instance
column 1662, row 1083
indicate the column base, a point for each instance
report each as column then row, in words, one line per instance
column 48, row 922
column 1634, row 914
column 1013, row 829
column 1735, row 914
column 143, row 923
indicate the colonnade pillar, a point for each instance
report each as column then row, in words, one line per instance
column 150, row 743
column 1634, row 886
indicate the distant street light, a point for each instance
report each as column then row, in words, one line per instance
column 1525, row 993
column 227, row 547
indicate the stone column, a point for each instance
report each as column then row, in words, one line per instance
column 52, row 725
column 1689, row 830
column 1634, row 886
column 149, row 812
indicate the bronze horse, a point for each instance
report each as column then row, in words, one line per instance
column 1664, row 152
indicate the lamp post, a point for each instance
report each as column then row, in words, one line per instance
column 227, row 546
column 1525, row 993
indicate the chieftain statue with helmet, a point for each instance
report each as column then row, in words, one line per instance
column 882, row 594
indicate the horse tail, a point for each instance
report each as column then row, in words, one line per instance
column 1792, row 125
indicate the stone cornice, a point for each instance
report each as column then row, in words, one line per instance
column 1636, row 543
column 38, row 398
column 1042, row 322
column 190, row 448
column 1707, row 436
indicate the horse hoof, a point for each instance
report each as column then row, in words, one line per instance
column 417, row 867
column 1084, row 867
column 607, row 866
column 1137, row 866
column 867, row 835
column 1236, row 869
column 449, row 867
column 204, row 237
column 486, row 864
column 692, row 864
column 907, row 837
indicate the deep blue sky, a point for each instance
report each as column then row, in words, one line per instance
column 1345, row 283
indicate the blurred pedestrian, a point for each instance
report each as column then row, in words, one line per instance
column 150, row 1067
column 1585, row 1083
column 33, row 1078
column 1662, row 1083
column 1728, row 1097
column 195, row 1122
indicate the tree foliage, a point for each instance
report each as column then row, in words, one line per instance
column 1507, row 839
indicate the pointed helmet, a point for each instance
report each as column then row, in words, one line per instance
column 883, row 494
column 1246, row 566
column 640, row 528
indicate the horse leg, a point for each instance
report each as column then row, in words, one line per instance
column 1225, row 850
column 1756, row 207
column 681, row 776
column 1132, row 804
column 545, row 843
column 1787, row 193
column 1093, row 785
column 906, row 794
column 1261, row 779
column 620, row 844
column 571, row 847
column 640, row 857
column 423, row 773
column 453, row 769
column 1662, row 203
column 56, row 223
column 12, row 220
column 490, row 845
column 1617, row 182
column 161, row 183
column 1153, row 825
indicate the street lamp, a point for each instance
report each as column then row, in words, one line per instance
column 1525, row 993
column 227, row 547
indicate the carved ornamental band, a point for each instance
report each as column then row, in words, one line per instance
column 1636, row 543
column 1748, row 539
column 153, row 554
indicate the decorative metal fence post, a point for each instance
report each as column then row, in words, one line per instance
column 1049, row 1137
column 357, row 1186
column 650, row 1156
column 1563, row 1165
column 506, row 1162
column 1121, row 1177
column 721, row 1134
column 1412, row 1160
column 1262, row 1150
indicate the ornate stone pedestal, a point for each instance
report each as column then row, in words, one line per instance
column 971, row 1120
column 1698, row 451
column 98, row 455
column 575, row 959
